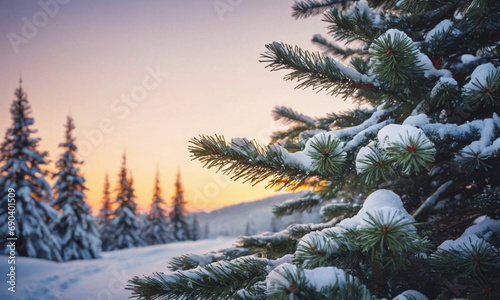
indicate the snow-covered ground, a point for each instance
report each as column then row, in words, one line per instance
column 97, row 279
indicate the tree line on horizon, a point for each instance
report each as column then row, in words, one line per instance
column 55, row 222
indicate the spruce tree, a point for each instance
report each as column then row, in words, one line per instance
column 75, row 225
column 123, row 229
column 106, row 231
column 180, row 226
column 408, row 183
column 157, row 230
column 25, row 195
column 106, row 208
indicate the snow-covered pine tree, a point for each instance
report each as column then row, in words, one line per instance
column 106, row 208
column 106, row 231
column 123, row 229
column 75, row 226
column 427, row 73
column 157, row 230
column 180, row 226
column 25, row 195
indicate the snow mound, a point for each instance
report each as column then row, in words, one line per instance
column 316, row 278
column 418, row 120
column 473, row 235
column 441, row 27
column 442, row 81
column 395, row 133
column 381, row 201
column 410, row 294
column 469, row 58
column 325, row 276
column 478, row 77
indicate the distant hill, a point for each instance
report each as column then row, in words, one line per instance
column 251, row 218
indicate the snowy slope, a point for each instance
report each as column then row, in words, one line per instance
column 107, row 277
column 95, row 279
column 256, row 215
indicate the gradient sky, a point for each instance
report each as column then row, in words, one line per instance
column 185, row 68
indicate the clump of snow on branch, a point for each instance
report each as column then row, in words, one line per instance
column 395, row 133
column 486, row 145
column 480, row 232
column 430, row 70
column 468, row 58
column 358, row 134
column 443, row 81
column 478, row 77
column 384, row 201
column 417, row 121
column 441, row 27
column 317, row 278
column 363, row 153
column 410, row 294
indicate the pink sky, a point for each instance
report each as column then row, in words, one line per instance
column 147, row 76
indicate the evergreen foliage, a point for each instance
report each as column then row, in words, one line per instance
column 123, row 229
column 106, row 231
column 106, row 210
column 75, row 225
column 23, row 179
column 427, row 73
column 157, row 229
column 234, row 280
column 180, row 227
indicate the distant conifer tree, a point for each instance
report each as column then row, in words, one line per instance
column 178, row 214
column 123, row 226
column 75, row 225
column 158, row 229
column 23, row 183
column 106, row 209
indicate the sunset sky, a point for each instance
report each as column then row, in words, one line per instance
column 145, row 77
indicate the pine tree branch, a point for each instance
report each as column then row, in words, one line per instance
column 348, row 118
column 316, row 71
column 149, row 288
column 308, row 8
column 365, row 135
column 397, row 60
column 291, row 134
column 431, row 200
column 356, row 24
column 191, row 261
column 289, row 116
column 335, row 50
column 297, row 231
column 228, row 278
column 290, row 282
column 306, row 203
column 269, row 245
column 249, row 161
column 378, row 115
column 335, row 210
column 442, row 133
column 276, row 245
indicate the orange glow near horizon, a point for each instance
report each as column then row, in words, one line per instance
column 146, row 77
